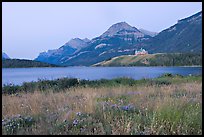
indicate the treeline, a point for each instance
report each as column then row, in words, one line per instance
column 176, row 59
column 167, row 59
column 23, row 63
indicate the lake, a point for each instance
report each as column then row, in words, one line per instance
column 19, row 75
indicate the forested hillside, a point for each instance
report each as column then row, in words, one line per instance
column 22, row 63
column 159, row 59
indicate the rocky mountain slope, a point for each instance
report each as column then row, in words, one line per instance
column 119, row 39
column 69, row 48
column 123, row 39
column 185, row 37
column 150, row 33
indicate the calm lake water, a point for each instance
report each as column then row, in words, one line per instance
column 19, row 75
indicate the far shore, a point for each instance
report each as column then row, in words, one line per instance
column 104, row 66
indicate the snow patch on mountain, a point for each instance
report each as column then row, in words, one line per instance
column 102, row 53
column 101, row 45
column 172, row 29
column 75, row 56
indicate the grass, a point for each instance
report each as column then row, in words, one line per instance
column 166, row 105
column 158, row 59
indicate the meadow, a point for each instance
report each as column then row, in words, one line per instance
column 167, row 105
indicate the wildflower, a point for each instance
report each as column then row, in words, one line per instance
column 82, row 129
column 78, row 113
column 114, row 106
column 128, row 107
column 75, row 122
column 125, row 108
column 19, row 115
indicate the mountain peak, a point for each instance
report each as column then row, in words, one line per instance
column 76, row 43
column 115, row 28
column 86, row 40
column 122, row 24
column 5, row 56
column 150, row 33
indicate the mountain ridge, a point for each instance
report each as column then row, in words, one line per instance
column 184, row 36
column 123, row 39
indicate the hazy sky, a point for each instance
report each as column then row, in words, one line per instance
column 33, row 27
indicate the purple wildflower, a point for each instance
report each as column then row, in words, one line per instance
column 78, row 113
column 128, row 107
column 75, row 122
column 114, row 105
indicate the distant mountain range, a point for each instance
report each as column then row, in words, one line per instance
column 68, row 49
column 5, row 56
column 150, row 33
column 7, row 62
column 123, row 39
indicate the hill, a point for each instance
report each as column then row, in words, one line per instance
column 22, row 63
column 159, row 59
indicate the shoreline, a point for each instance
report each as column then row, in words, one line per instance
column 99, row 66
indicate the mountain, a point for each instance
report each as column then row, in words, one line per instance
column 77, row 43
column 69, row 48
column 121, row 29
column 185, row 37
column 150, row 33
column 123, row 39
column 5, row 56
column 86, row 40
column 118, row 40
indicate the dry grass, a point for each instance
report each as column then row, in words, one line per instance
column 80, row 99
column 66, row 104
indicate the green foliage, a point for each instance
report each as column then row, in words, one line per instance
column 167, row 119
column 11, row 89
column 163, row 59
column 176, row 59
column 120, row 114
column 22, row 63
column 66, row 83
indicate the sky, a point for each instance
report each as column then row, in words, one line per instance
column 29, row 28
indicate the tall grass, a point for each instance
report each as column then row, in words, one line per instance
column 133, row 109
